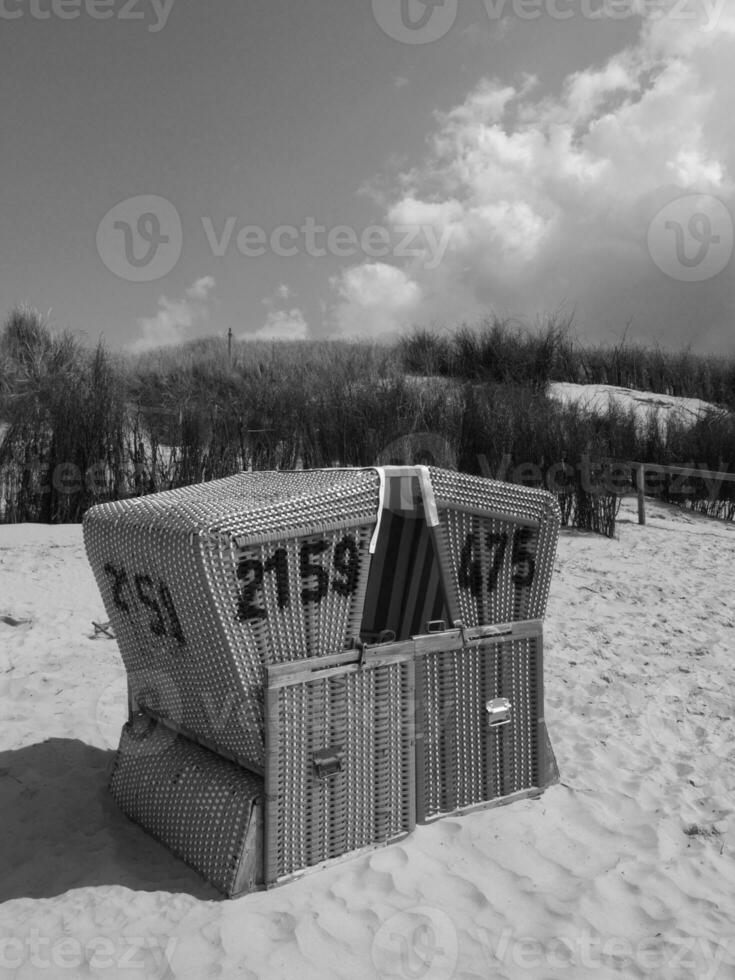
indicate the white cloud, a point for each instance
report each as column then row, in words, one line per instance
column 201, row 288
column 549, row 198
column 283, row 325
column 173, row 322
column 374, row 299
column 283, row 321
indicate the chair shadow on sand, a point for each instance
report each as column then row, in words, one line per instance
column 61, row 829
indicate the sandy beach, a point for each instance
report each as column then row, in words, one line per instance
column 626, row 868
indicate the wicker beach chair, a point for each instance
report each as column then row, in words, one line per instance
column 318, row 659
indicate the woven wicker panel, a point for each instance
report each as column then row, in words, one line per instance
column 364, row 716
column 301, row 597
column 207, row 584
column 496, row 544
column 462, row 760
column 197, row 804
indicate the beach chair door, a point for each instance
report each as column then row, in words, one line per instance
column 480, row 732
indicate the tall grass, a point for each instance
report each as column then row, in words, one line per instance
column 63, row 411
column 500, row 351
column 504, row 351
column 80, row 426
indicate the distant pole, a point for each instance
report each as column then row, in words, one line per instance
column 229, row 345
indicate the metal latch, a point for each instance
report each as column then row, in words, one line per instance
column 498, row 712
column 328, row 762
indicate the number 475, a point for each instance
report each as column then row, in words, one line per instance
column 472, row 574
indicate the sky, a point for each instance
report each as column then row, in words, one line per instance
column 172, row 169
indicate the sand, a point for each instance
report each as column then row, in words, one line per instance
column 600, row 398
column 626, row 868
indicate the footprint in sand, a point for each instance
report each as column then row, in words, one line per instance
column 687, row 714
column 12, row 621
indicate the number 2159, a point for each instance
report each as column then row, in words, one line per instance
column 316, row 580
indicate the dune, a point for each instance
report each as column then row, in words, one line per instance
column 626, row 868
column 601, row 398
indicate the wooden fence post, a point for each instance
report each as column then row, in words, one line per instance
column 641, row 483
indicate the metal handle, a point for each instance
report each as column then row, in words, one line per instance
column 498, row 712
column 328, row 762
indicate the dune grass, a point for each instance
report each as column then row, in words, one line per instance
column 81, row 426
column 507, row 351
